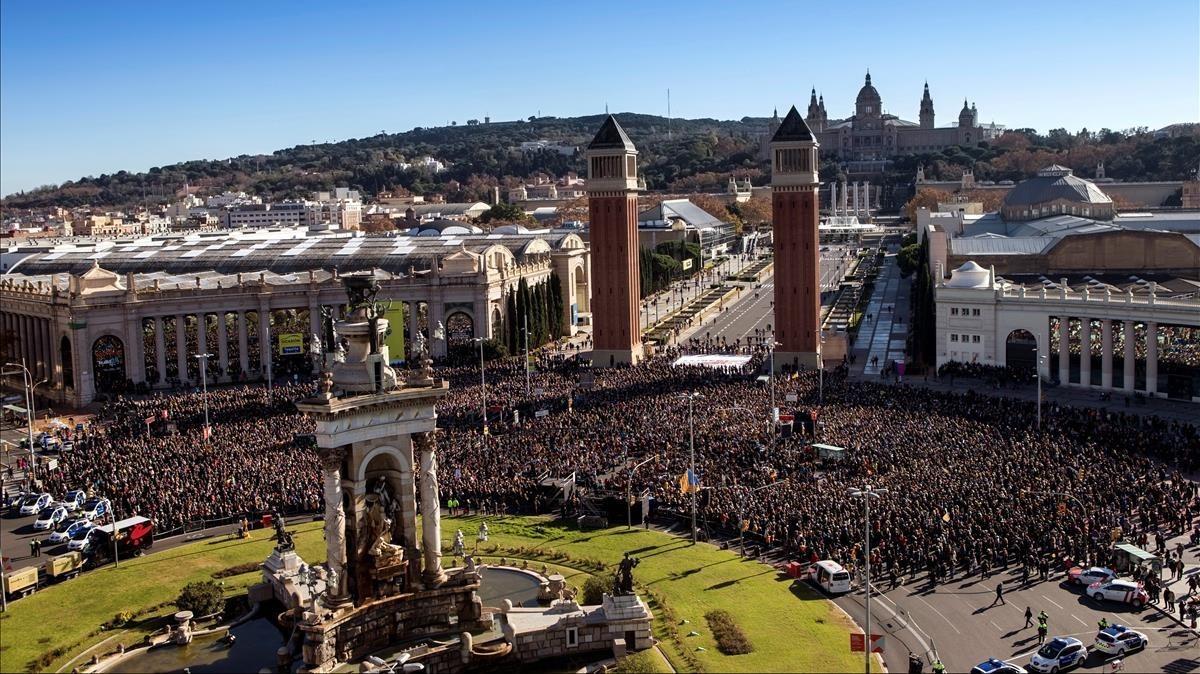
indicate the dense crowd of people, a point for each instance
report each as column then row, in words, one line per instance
column 972, row 484
column 169, row 471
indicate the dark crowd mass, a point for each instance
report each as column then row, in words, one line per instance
column 973, row 485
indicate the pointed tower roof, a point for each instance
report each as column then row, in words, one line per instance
column 611, row 137
column 793, row 128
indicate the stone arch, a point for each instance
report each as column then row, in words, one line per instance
column 108, row 364
column 1020, row 351
column 66, row 357
column 460, row 327
column 580, row 291
column 403, row 461
column 497, row 323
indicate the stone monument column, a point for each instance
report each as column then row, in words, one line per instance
column 335, row 522
column 431, row 529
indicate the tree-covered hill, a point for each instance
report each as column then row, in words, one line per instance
column 691, row 155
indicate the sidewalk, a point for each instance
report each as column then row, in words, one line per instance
column 881, row 335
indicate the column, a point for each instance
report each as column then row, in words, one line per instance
column 431, row 510
column 314, row 330
column 222, row 347
column 201, row 333
column 243, row 355
column 264, row 341
column 181, row 346
column 135, row 350
column 1106, row 355
column 1151, row 359
column 1085, row 352
column 160, row 351
column 1064, row 350
column 414, row 325
column 335, row 523
column 1130, row 355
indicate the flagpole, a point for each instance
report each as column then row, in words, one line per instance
column 692, row 457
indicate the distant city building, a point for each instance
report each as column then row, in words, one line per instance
column 532, row 146
column 1108, row 300
column 871, row 134
column 680, row 219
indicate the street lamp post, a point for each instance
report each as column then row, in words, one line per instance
column 203, row 358
column 866, row 494
column 629, row 495
column 27, row 380
column 691, row 398
column 1039, row 358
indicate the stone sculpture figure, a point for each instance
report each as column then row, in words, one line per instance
column 624, row 581
column 459, row 545
column 384, row 552
column 483, row 533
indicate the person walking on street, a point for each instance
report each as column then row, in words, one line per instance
column 999, row 595
column 1028, row 617
column 1169, row 597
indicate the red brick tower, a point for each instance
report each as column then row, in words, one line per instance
column 794, row 204
column 612, row 187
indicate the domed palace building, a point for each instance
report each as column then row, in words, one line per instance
column 1059, row 281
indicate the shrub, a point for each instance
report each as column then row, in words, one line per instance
column 201, row 598
column 731, row 640
column 594, row 588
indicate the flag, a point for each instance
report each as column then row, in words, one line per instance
column 745, row 525
column 688, row 482
column 946, row 516
column 207, row 432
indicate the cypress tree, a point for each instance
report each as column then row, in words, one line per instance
column 523, row 300
column 510, row 321
column 556, row 307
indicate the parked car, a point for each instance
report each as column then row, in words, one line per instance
column 67, row 446
column 1119, row 640
column 74, row 499
column 1124, row 591
column 82, row 540
column 1094, row 574
column 34, row 503
column 14, row 499
column 994, row 666
column 49, row 517
column 1058, row 654
column 67, row 528
column 94, row 508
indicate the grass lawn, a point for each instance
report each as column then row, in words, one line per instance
column 791, row 629
column 67, row 617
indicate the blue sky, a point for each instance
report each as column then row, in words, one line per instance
column 91, row 88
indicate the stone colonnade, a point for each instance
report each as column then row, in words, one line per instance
column 1129, row 339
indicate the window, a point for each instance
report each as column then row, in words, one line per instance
column 953, row 311
column 974, row 312
column 954, row 337
column 974, row 339
column 965, row 310
column 965, row 338
column 572, row 636
column 793, row 160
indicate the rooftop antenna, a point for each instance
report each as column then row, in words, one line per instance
column 606, row 107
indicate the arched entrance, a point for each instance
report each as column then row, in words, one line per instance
column 1020, row 352
column 460, row 328
column 108, row 364
column 68, row 363
column 583, row 299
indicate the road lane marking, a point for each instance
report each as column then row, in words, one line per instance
column 995, row 625
column 1051, row 601
column 943, row 616
column 1080, row 621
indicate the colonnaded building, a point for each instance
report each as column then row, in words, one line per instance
column 1095, row 297
column 99, row 317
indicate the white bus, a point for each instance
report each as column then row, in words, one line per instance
column 829, row 576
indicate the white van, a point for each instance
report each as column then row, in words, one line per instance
column 829, row 576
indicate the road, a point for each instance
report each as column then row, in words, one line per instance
column 754, row 309
column 958, row 621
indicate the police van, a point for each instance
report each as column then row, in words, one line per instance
column 829, row 576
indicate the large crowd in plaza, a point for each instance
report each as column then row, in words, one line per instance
column 972, row 483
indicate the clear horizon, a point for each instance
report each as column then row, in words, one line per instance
column 250, row 78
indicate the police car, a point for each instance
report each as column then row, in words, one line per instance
column 49, row 517
column 1119, row 640
column 94, row 508
column 67, row 529
column 74, row 499
column 1058, row 654
column 34, row 503
column 994, row 666
column 1095, row 574
column 1124, row 591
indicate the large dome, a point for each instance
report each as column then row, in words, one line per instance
column 868, row 95
column 1056, row 185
